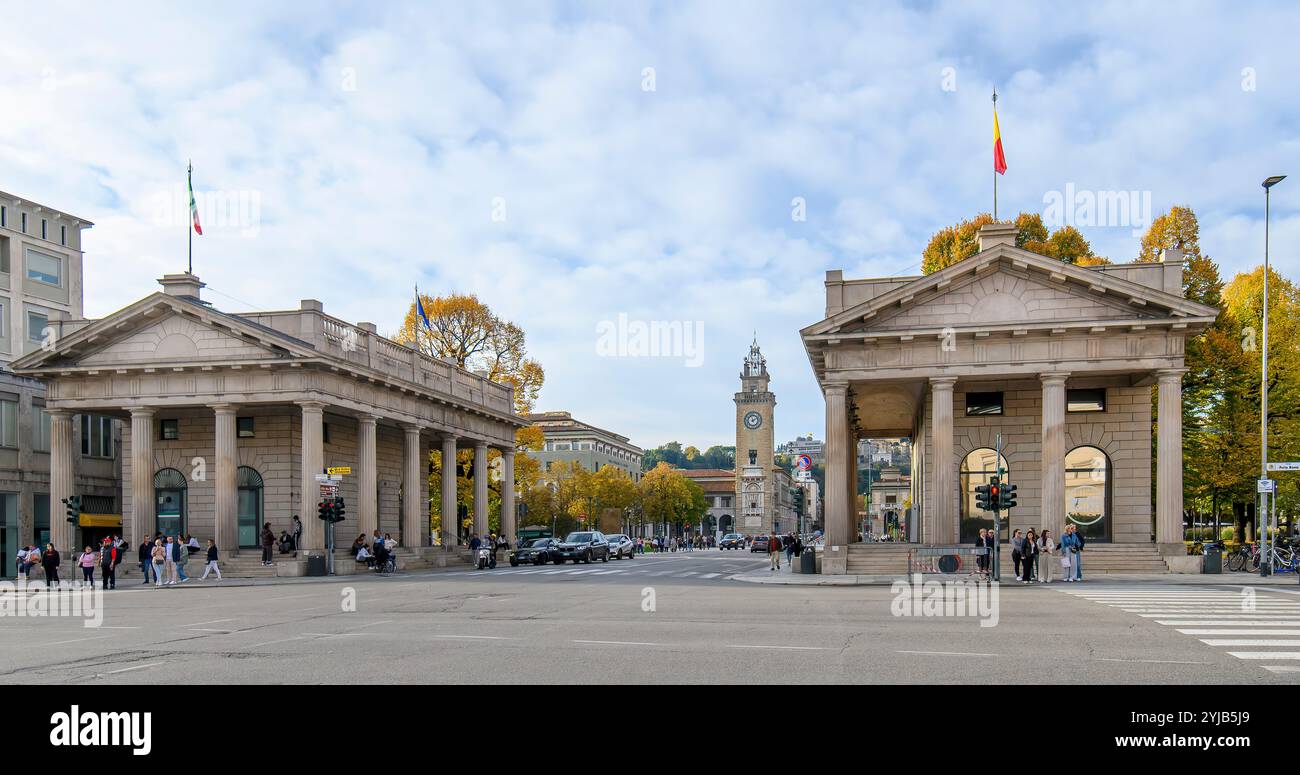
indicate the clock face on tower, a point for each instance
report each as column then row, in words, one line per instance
column 753, row 421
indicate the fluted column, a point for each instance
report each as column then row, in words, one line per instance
column 367, row 475
column 411, row 488
column 945, row 488
column 1052, row 462
column 838, row 521
column 62, row 482
column 227, row 479
column 480, row 488
column 313, row 461
column 1169, row 461
column 143, row 508
column 508, row 494
column 450, row 516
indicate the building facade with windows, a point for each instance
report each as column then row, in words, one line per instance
column 40, row 283
column 229, row 419
column 570, row 440
column 1060, row 360
column 719, row 485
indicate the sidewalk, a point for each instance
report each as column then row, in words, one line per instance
column 785, row 576
column 270, row 581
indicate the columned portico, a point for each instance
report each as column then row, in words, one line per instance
column 412, row 488
column 142, row 495
column 508, row 494
column 1169, row 468
column 838, row 520
column 367, row 475
column 480, row 488
column 450, row 511
column 227, row 481
column 944, row 514
column 313, row 461
column 1053, row 455
column 62, row 481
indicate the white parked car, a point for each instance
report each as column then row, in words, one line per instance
column 621, row 546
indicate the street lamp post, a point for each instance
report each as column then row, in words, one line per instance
column 1265, row 566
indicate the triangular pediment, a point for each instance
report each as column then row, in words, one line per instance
column 1008, row 287
column 164, row 331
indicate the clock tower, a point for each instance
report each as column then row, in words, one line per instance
column 755, row 451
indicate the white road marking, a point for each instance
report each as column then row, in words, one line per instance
column 1281, row 668
column 1265, row 654
column 129, row 669
column 1249, row 642
column 269, row 642
column 710, row 575
column 473, row 637
column 206, row 629
column 76, row 640
column 950, row 653
column 618, row 643
column 1153, row 661
column 784, row 648
column 1220, row 622
column 1239, row 632
column 211, row 621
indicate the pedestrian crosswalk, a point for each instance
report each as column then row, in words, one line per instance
column 1261, row 626
column 570, row 572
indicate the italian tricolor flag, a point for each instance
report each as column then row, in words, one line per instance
column 194, row 210
column 999, row 158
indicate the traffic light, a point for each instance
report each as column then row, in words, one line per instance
column 995, row 494
column 73, row 504
column 339, row 510
column 1008, row 499
column 983, row 498
column 323, row 511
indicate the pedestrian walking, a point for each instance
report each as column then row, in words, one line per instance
column 157, row 561
column 774, row 551
column 86, row 561
column 50, row 560
column 110, row 554
column 180, row 555
column 211, row 567
column 1046, row 556
column 1017, row 553
column 1029, row 556
column 268, row 541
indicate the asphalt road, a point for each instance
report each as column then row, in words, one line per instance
column 637, row 627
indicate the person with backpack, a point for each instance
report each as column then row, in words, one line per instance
column 180, row 555
column 211, row 567
column 158, row 561
column 108, row 559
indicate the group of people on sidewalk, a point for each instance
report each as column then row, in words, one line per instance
column 1033, row 554
column 789, row 543
column 165, row 558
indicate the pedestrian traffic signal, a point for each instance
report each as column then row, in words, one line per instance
column 73, row 504
column 1008, row 498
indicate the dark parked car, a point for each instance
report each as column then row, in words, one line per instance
column 536, row 551
column 760, row 543
column 621, row 546
column 582, row 546
column 732, row 541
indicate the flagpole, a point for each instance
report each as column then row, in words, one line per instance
column 189, row 219
column 995, row 171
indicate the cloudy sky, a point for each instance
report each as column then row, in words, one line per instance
column 572, row 163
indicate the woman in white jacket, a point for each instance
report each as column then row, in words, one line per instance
column 1047, row 555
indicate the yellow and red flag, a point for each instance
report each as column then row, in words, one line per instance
column 999, row 158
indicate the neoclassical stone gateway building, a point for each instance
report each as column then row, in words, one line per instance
column 1059, row 359
column 232, row 417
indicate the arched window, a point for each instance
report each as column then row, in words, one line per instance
column 1087, row 492
column 976, row 468
column 250, row 506
column 170, row 488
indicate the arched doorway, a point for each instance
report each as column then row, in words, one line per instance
column 170, row 491
column 976, row 468
column 726, row 524
column 250, row 506
column 1087, row 492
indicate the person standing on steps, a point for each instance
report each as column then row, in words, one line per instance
column 268, row 541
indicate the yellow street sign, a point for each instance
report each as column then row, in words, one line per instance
column 339, row 470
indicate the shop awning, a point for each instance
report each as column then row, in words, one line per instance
column 101, row 520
